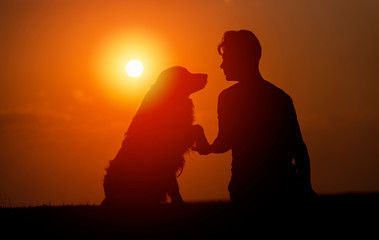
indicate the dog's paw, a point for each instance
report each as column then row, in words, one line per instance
column 197, row 130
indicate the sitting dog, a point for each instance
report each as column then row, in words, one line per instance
column 145, row 168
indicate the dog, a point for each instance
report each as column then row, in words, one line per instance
column 152, row 153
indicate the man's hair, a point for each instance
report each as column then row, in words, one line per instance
column 242, row 42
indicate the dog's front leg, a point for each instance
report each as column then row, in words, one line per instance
column 202, row 145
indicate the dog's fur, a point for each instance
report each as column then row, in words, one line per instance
column 151, row 155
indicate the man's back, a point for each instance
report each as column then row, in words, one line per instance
column 259, row 122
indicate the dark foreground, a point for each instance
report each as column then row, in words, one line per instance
column 341, row 215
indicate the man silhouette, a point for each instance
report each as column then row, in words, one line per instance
column 258, row 122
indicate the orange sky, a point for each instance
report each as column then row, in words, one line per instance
column 66, row 101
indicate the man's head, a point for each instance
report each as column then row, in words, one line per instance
column 241, row 52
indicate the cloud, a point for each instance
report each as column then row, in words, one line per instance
column 30, row 116
column 81, row 97
column 16, row 118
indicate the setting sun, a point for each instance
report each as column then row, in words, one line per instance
column 134, row 68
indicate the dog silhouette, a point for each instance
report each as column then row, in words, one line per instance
column 162, row 131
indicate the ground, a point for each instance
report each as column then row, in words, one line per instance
column 340, row 214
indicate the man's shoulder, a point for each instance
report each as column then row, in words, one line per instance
column 230, row 91
column 264, row 87
column 279, row 93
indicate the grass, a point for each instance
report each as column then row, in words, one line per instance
column 209, row 220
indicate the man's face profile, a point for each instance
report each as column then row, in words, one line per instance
column 231, row 65
column 236, row 67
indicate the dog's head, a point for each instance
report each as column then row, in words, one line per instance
column 178, row 81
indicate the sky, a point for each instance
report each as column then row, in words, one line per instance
column 66, row 101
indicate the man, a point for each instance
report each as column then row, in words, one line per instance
column 258, row 122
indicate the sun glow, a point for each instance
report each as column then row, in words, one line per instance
column 134, row 68
column 117, row 70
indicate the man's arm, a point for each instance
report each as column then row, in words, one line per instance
column 300, row 151
column 303, row 164
column 222, row 143
column 219, row 145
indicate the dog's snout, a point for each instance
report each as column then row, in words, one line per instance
column 198, row 81
column 203, row 78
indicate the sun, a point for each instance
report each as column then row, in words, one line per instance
column 134, row 68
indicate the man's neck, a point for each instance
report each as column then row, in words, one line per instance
column 253, row 77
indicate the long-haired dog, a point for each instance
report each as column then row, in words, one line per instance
column 145, row 168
